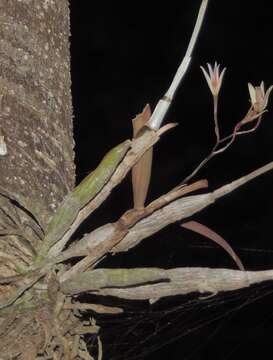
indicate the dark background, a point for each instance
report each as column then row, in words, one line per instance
column 124, row 55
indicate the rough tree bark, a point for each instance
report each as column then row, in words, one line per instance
column 36, row 122
column 40, row 208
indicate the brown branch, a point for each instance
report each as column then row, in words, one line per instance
column 119, row 237
column 130, row 218
column 122, row 226
column 154, row 283
column 181, row 209
column 98, row 308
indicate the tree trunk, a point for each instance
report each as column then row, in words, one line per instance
column 36, row 122
column 37, row 165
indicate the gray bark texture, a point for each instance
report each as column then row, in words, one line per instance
column 38, row 169
column 36, row 113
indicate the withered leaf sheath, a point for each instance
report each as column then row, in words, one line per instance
column 141, row 172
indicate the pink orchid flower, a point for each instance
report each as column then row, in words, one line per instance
column 258, row 96
column 214, row 77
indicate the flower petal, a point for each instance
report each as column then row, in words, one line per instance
column 252, row 93
column 207, row 78
column 262, row 88
column 210, row 70
column 266, row 97
column 216, row 71
column 221, row 76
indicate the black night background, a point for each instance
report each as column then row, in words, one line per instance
column 124, row 55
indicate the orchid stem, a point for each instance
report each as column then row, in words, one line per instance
column 164, row 103
column 214, row 150
column 215, row 116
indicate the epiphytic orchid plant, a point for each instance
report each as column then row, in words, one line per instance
column 137, row 223
column 142, row 220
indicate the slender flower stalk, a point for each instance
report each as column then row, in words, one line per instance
column 215, row 117
column 259, row 100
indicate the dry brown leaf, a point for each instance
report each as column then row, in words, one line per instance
column 141, row 172
column 212, row 235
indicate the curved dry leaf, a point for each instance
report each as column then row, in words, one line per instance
column 212, row 235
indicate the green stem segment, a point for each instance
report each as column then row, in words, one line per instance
column 82, row 195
